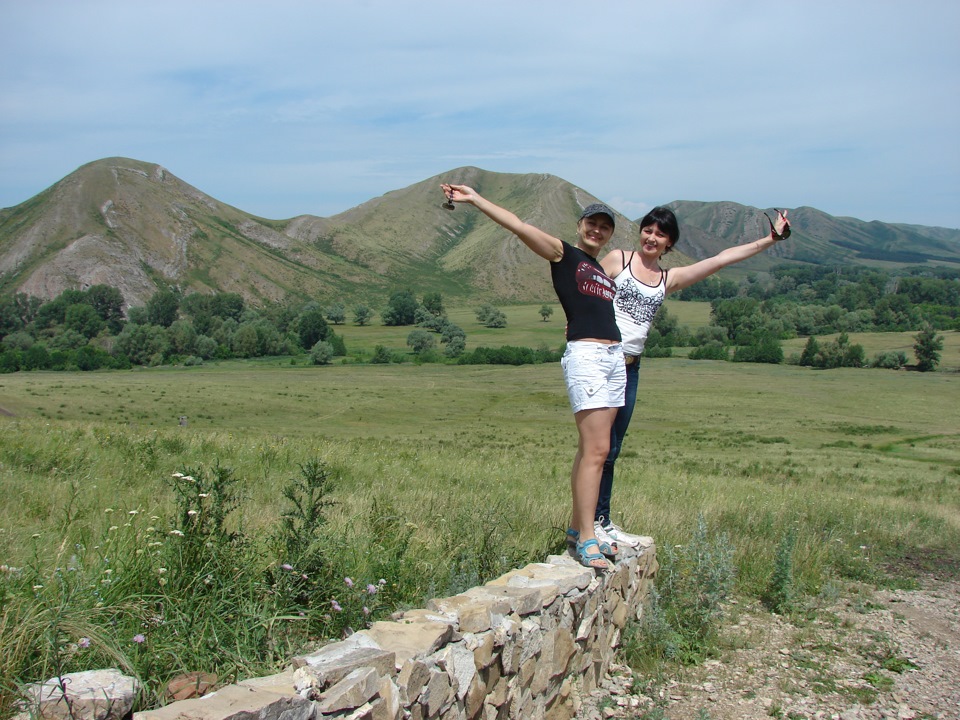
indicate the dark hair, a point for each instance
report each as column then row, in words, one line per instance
column 665, row 219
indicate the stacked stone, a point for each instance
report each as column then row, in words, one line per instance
column 526, row 645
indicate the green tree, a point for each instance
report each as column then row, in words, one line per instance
column 140, row 343
column 401, row 309
column 927, row 348
column 91, row 358
column 199, row 308
column 163, row 307
column 35, row 357
column 421, row 341
column 810, row 351
column 205, row 347
column 68, row 340
column 227, row 305
column 19, row 340
column 321, row 353
column 545, row 312
column 895, row 312
column 491, row 317
column 83, row 319
column 337, row 314
column 483, row 312
column 740, row 316
column 17, row 311
column 665, row 322
column 182, row 337
column 433, row 302
column 312, row 327
column 108, row 302
column 362, row 315
column 766, row 349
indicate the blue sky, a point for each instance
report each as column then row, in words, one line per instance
column 294, row 107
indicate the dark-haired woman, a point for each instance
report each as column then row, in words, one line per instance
column 593, row 366
column 642, row 286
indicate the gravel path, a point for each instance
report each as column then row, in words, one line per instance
column 868, row 655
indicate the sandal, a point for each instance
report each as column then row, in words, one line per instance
column 786, row 228
column 606, row 548
column 591, row 559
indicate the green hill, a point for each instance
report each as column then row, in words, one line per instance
column 135, row 226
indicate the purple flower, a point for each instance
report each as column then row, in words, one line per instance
column 348, row 582
column 336, row 606
column 139, row 638
column 286, row 566
column 84, row 642
column 366, row 610
column 371, row 589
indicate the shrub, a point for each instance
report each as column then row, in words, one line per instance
column 765, row 350
column 889, row 360
column 381, row 355
column 658, row 351
column 711, row 350
column 508, row 355
column 321, row 353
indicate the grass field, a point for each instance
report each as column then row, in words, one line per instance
column 525, row 328
column 716, row 433
column 458, row 473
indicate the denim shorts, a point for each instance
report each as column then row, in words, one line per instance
column 595, row 375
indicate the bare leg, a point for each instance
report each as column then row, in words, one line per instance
column 593, row 427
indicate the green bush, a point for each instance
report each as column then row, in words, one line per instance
column 889, row 360
column 711, row 350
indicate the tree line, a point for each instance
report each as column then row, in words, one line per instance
column 89, row 329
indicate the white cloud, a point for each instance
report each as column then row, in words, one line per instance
column 849, row 107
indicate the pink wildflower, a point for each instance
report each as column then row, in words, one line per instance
column 84, row 642
column 139, row 638
column 336, row 606
column 348, row 582
column 371, row 589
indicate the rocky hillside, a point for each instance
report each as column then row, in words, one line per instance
column 136, row 226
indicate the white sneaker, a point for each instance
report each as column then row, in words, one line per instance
column 613, row 533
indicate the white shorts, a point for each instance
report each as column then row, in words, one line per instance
column 595, row 374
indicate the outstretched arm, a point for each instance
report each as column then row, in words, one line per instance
column 543, row 244
column 682, row 277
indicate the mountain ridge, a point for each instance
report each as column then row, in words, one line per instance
column 134, row 225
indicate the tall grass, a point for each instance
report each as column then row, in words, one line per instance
column 430, row 478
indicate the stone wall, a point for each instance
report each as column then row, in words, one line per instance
column 526, row 645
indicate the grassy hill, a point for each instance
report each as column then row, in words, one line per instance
column 135, row 226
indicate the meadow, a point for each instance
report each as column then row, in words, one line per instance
column 441, row 477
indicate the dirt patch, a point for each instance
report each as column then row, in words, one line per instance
column 868, row 655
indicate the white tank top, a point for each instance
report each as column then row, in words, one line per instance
column 635, row 305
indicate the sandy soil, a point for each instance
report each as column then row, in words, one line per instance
column 867, row 655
